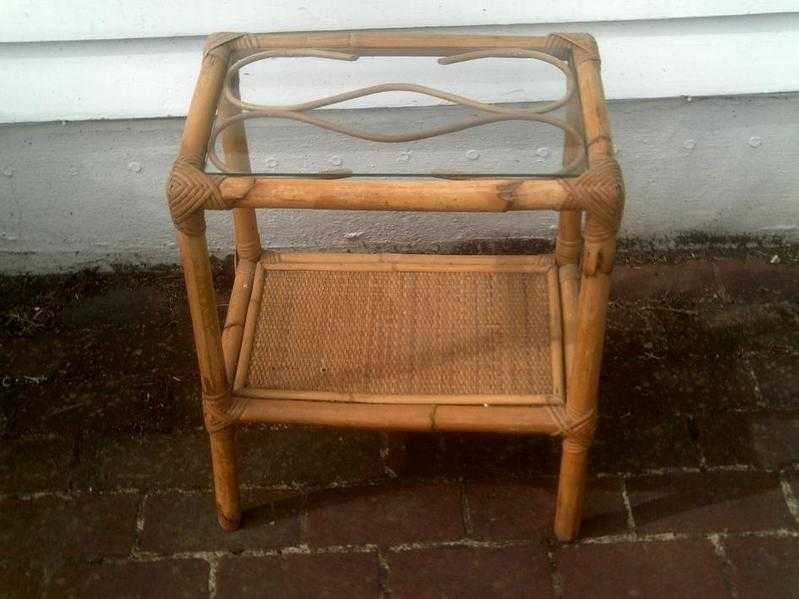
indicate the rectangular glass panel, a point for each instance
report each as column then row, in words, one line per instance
column 498, row 113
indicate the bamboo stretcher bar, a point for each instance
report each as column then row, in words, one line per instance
column 233, row 331
column 400, row 267
column 543, row 261
column 488, row 195
column 237, row 155
column 373, row 398
column 253, row 308
column 406, row 44
column 568, row 244
column 499, row 419
column 594, row 109
column 555, row 334
column 569, row 276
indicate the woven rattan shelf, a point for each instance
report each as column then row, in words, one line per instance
column 506, row 344
column 397, row 337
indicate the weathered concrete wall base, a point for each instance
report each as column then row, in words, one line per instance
column 91, row 193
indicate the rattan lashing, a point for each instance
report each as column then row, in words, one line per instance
column 388, row 341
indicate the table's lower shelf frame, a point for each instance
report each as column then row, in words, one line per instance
column 522, row 414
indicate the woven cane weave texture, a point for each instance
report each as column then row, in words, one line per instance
column 403, row 333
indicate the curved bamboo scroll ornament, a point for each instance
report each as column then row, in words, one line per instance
column 491, row 113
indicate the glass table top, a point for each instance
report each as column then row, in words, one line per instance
column 496, row 113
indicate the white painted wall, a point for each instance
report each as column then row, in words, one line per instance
column 87, row 192
column 72, row 60
column 67, row 20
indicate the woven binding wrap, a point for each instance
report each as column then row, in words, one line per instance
column 217, row 44
column 559, row 44
column 578, row 428
column 600, row 192
column 220, row 411
column 567, row 252
column 188, row 191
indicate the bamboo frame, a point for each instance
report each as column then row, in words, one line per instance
column 404, row 417
column 471, row 195
column 579, row 273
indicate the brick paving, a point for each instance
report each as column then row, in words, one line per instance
column 105, row 482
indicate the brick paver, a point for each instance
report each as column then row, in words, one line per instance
column 778, row 376
column 503, row 510
column 270, row 456
column 19, row 580
column 466, row 572
column 775, row 440
column 385, row 515
column 472, row 456
column 89, row 525
column 709, row 502
column 651, row 570
column 632, row 442
column 792, row 481
column 30, row 465
column 105, row 477
column 351, row 575
column 173, row 578
column 148, row 461
column 476, row 456
column 176, row 522
column 761, row 440
column 764, row 567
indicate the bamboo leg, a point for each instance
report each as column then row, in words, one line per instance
column 571, row 490
column 574, row 459
column 186, row 184
column 582, row 402
column 226, row 478
column 202, row 303
column 237, row 156
column 248, row 247
column 570, row 240
column 597, row 264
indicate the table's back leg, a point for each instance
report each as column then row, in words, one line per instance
column 237, row 157
column 569, row 242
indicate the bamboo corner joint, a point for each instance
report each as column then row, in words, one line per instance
column 574, row 281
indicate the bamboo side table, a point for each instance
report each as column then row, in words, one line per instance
column 507, row 344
